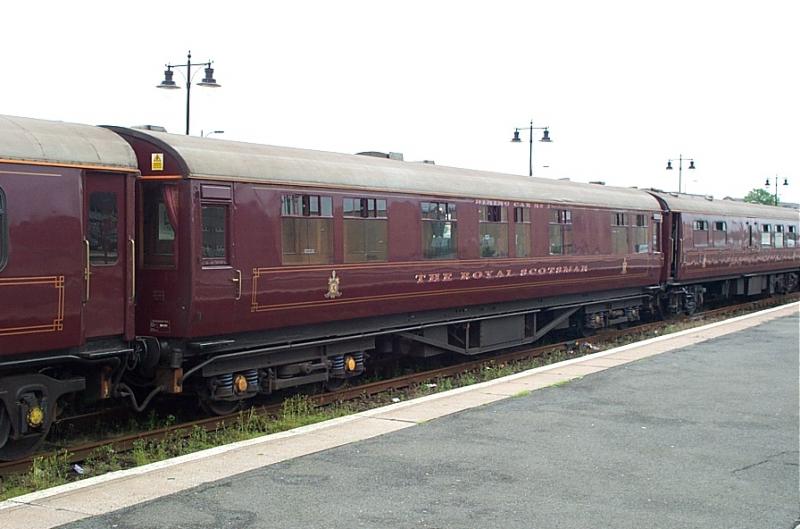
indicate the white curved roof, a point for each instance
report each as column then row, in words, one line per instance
column 707, row 205
column 57, row 142
column 228, row 160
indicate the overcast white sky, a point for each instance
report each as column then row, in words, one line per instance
column 623, row 85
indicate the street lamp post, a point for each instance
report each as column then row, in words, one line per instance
column 207, row 81
column 545, row 139
column 767, row 184
column 680, row 169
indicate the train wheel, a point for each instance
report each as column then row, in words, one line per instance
column 334, row 384
column 221, row 407
column 5, row 426
column 13, row 449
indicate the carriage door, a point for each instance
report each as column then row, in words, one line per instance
column 106, row 255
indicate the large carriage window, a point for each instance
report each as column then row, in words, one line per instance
column 791, row 238
column 3, row 231
column 493, row 231
column 365, row 230
column 720, row 233
column 560, row 232
column 640, row 235
column 522, row 231
column 307, row 229
column 700, row 233
column 766, row 235
column 102, row 229
column 779, row 236
column 215, row 239
column 159, row 218
column 439, row 233
column 619, row 233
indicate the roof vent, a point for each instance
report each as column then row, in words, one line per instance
column 709, row 197
column 154, row 128
column 598, row 182
column 376, row 154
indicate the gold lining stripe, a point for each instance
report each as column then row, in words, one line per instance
column 57, row 323
column 71, row 166
column 255, row 307
column 161, row 177
column 429, row 263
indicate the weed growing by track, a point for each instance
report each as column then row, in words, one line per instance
column 296, row 411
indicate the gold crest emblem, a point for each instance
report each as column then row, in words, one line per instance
column 333, row 287
column 625, row 265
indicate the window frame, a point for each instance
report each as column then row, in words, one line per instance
column 450, row 215
column 226, row 259
column 719, row 226
column 522, row 219
column 563, row 219
column 370, row 209
column 620, row 223
column 700, row 225
column 496, row 215
column 323, row 211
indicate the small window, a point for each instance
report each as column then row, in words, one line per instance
column 657, row 236
column 159, row 217
column 720, row 235
column 439, row 230
column 700, row 233
column 493, row 231
column 365, row 230
column 791, row 237
column 619, row 234
column 522, row 231
column 307, row 229
column 640, row 234
column 102, row 229
column 560, row 232
column 3, row 231
column 766, row 235
column 215, row 239
column 779, row 236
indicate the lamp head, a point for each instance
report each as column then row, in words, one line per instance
column 546, row 136
column 209, row 80
column 786, row 181
column 691, row 165
column 516, row 139
column 168, row 83
column 767, row 183
column 669, row 165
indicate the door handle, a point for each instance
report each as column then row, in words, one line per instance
column 238, row 281
column 87, row 272
column 133, row 270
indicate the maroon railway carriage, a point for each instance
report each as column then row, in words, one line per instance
column 66, row 267
column 724, row 248
column 264, row 267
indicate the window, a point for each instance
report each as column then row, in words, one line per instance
column 3, row 231
column 439, row 233
column 640, row 234
column 159, row 218
column 791, row 237
column 700, row 233
column 619, row 233
column 307, row 229
column 779, row 236
column 766, row 235
column 102, row 228
column 215, row 240
column 493, row 231
column 560, row 232
column 720, row 233
column 522, row 231
column 365, row 230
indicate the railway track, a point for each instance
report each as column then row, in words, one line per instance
column 79, row 453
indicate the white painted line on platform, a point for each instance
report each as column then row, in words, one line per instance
column 116, row 490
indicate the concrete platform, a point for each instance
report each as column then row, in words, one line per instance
column 694, row 429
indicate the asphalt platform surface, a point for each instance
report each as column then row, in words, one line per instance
column 701, row 437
